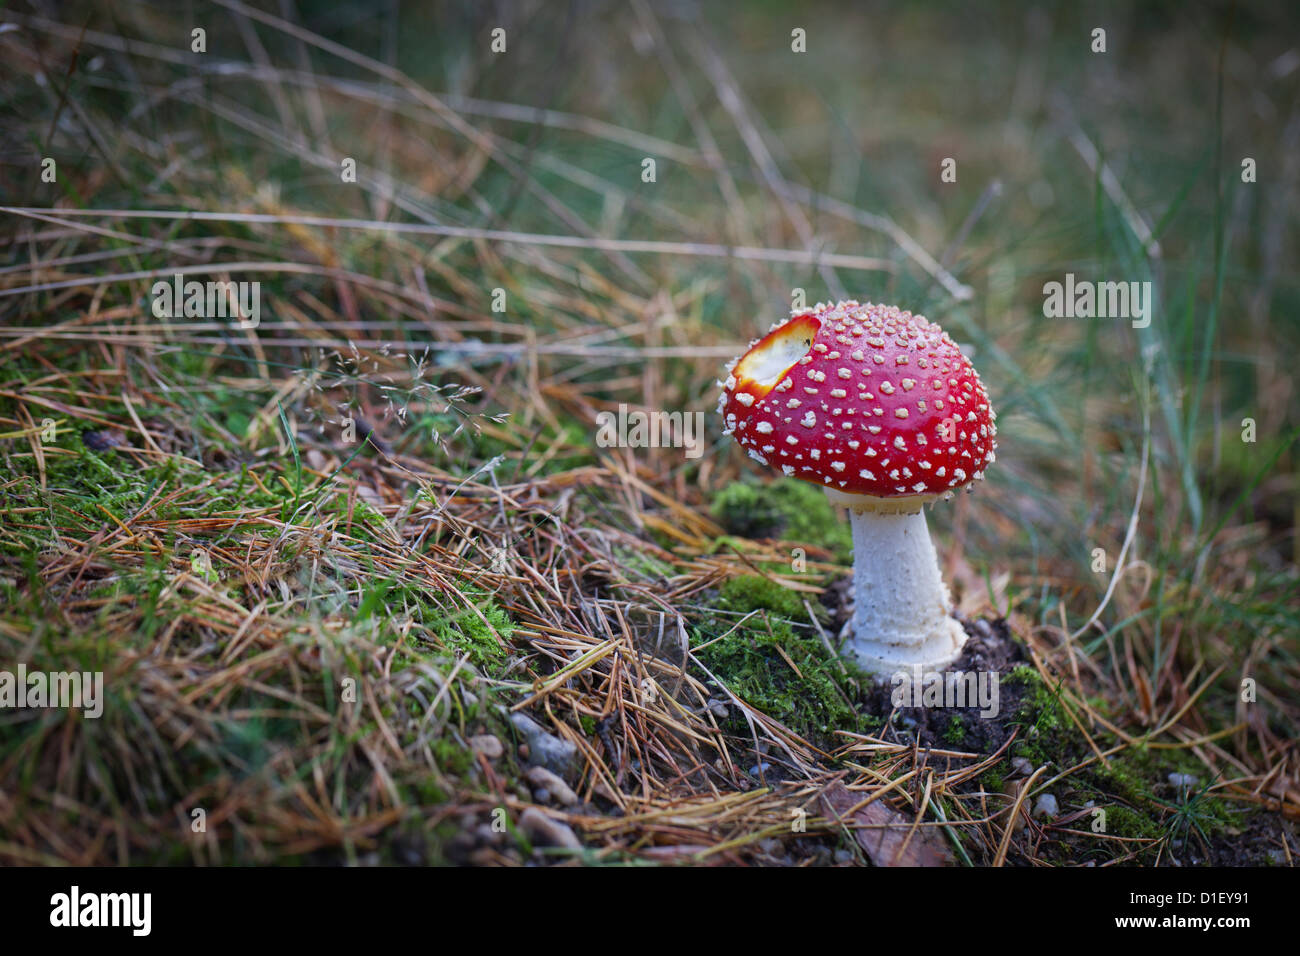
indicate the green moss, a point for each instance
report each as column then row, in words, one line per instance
column 790, row 509
column 808, row 697
column 1126, row 822
column 1127, row 775
column 1047, row 732
column 955, row 732
column 751, row 592
column 451, row 758
column 1131, row 786
column 468, row 633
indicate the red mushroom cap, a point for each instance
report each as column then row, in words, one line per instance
column 865, row 399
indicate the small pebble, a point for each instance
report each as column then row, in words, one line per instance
column 487, row 745
column 542, row 829
column 1046, row 806
column 553, row 786
column 1022, row 766
column 544, row 748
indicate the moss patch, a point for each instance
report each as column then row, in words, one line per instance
column 468, row 633
column 776, row 665
column 1132, row 786
column 789, row 509
column 752, row 592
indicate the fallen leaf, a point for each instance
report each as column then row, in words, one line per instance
column 884, row 831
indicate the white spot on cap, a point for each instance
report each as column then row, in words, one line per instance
column 763, row 427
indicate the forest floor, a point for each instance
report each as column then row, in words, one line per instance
column 364, row 587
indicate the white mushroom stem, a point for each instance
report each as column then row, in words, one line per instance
column 901, row 614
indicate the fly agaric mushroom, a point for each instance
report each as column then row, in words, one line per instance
column 881, row 408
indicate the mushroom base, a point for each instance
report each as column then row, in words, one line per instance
column 901, row 614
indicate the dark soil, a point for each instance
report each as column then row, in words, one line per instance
column 989, row 649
